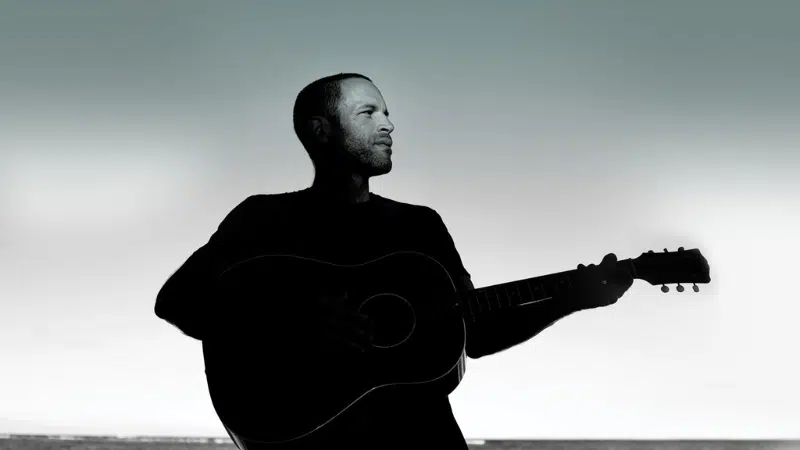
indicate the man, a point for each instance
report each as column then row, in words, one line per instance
column 343, row 123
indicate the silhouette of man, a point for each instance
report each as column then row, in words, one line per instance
column 343, row 123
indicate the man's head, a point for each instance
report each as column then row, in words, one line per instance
column 343, row 123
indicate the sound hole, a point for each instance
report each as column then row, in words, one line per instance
column 393, row 317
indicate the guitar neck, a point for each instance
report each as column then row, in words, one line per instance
column 483, row 302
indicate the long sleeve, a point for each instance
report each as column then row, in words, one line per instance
column 505, row 330
column 510, row 328
column 184, row 299
column 445, row 249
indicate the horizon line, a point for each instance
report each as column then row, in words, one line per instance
column 166, row 438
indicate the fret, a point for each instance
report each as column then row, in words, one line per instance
column 500, row 295
column 539, row 294
column 469, row 305
column 519, row 294
column 501, row 292
column 528, row 283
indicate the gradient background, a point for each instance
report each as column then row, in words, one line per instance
column 545, row 133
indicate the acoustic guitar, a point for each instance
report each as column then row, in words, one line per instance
column 420, row 320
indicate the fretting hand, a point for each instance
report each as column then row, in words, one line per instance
column 596, row 286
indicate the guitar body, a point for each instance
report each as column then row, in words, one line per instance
column 295, row 393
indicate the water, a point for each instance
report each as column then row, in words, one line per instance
column 110, row 443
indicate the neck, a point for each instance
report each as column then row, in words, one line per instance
column 341, row 186
column 475, row 304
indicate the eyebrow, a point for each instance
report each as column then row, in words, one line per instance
column 373, row 106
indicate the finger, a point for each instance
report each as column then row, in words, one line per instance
column 354, row 318
column 371, row 326
column 609, row 267
column 343, row 343
column 344, row 326
column 618, row 276
column 610, row 259
column 326, row 301
column 357, row 345
column 334, row 297
column 364, row 321
column 351, row 330
column 364, row 340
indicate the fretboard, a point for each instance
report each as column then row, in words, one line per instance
column 482, row 302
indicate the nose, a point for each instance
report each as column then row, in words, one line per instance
column 387, row 126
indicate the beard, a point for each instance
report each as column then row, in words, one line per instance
column 372, row 163
column 359, row 156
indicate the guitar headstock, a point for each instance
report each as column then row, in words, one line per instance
column 682, row 266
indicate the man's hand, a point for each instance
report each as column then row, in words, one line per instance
column 341, row 329
column 598, row 285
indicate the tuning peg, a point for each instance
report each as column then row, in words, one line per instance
column 679, row 288
column 680, row 249
column 695, row 288
column 664, row 288
column 650, row 252
column 666, row 251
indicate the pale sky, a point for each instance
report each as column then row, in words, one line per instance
column 546, row 134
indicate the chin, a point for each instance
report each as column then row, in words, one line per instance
column 378, row 170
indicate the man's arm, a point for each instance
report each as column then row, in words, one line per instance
column 184, row 299
column 589, row 289
column 509, row 328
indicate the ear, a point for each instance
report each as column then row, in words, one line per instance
column 320, row 128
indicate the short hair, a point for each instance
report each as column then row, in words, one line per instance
column 319, row 98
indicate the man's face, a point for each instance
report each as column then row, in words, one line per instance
column 364, row 129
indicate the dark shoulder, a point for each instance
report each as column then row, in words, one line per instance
column 273, row 199
column 409, row 210
column 260, row 206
